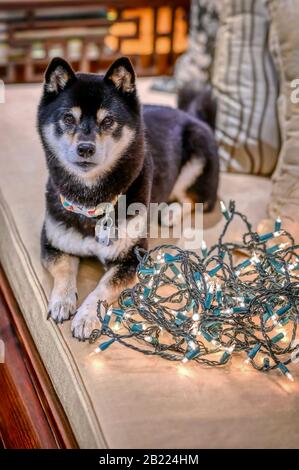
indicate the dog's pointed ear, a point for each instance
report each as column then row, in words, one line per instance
column 58, row 75
column 122, row 75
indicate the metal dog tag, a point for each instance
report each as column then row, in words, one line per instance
column 103, row 230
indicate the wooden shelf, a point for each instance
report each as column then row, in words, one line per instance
column 123, row 33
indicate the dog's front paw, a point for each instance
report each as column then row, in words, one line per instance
column 85, row 320
column 62, row 307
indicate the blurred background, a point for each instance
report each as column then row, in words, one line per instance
column 90, row 34
column 245, row 52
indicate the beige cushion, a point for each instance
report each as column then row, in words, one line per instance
column 285, row 47
column 124, row 399
column 245, row 83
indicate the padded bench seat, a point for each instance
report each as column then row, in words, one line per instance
column 122, row 399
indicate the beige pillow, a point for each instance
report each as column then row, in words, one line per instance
column 285, row 48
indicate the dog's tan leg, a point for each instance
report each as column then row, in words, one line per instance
column 63, row 299
column 118, row 278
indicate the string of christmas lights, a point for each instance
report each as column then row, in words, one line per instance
column 210, row 306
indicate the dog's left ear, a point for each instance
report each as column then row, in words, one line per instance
column 122, row 75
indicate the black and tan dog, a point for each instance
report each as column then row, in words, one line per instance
column 99, row 143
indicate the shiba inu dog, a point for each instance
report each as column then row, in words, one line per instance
column 100, row 143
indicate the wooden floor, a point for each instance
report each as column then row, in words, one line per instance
column 31, row 416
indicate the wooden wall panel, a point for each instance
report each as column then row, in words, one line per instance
column 31, row 415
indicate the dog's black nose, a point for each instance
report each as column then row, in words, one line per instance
column 86, row 150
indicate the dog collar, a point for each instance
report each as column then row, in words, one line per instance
column 91, row 212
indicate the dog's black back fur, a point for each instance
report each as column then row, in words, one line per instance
column 200, row 104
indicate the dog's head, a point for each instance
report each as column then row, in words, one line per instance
column 87, row 121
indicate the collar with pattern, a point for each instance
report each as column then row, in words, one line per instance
column 92, row 212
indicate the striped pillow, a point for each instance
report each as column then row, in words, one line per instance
column 245, row 82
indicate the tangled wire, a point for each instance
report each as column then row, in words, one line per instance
column 209, row 307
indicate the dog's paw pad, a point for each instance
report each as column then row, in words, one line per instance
column 85, row 321
column 61, row 309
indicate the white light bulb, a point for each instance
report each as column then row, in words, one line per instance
column 289, row 376
column 222, row 206
column 278, row 233
column 285, row 338
column 109, row 312
column 227, row 311
column 283, row 245
column 255, row 259
column 230, row 349
column 211, row 287
column 148, row 339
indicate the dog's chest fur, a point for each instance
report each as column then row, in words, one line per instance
column 73, row 233
column 70, row 240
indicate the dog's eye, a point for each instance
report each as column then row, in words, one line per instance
column 107, row 122
column 69, row 119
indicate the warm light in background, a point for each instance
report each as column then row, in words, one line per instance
column 90, row 38
column 144, row 44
